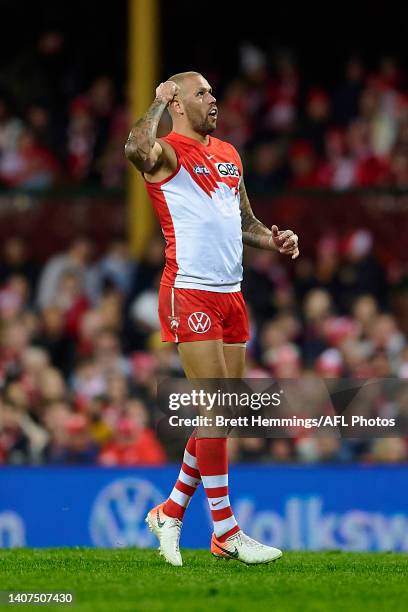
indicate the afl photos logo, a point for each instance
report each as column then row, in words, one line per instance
column 199, row 322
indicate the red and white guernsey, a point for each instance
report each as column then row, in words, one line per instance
column 198, row 209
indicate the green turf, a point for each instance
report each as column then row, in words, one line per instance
column 127, row 579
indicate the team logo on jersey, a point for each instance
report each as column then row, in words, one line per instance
column 199, row 322
column 198, row 169
column 227, row 169
column 174, row 323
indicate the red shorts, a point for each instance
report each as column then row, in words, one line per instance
column 187, row 315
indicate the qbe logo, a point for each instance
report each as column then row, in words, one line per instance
column 227, row 169
column 118, row 513
column 199, row 322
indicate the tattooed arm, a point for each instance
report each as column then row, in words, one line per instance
column 142, row 149
column 256, row 234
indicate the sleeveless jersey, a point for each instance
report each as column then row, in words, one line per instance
column 198, row 210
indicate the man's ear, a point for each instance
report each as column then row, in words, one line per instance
column 177, row 106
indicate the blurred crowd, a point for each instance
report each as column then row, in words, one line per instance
column 54, row 129
column 299, row 135
column 80, row 349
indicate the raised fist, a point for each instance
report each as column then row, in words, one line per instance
column 166, row 91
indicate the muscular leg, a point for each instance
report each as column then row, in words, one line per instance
column 203, row 359
column 212, row 359
column 199, row 360
column 234, row 355
column 206, row 459
column 208, row 359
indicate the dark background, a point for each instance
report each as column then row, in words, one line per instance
column 321, row 38
column 206, row 36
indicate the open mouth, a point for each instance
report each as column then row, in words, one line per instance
column 213, row 112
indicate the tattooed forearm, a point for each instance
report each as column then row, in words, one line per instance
column 143, row 134
column 254, row 233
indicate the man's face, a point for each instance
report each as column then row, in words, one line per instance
column 199, row 104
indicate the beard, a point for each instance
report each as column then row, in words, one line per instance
column 201, row 125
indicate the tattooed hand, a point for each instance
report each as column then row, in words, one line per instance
column 167, row 91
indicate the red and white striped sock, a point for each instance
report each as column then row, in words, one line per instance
column 186, row 484
column 212, row 462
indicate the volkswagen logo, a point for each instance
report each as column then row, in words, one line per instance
column 12, row 530
column 199, row 322
column 118, row 513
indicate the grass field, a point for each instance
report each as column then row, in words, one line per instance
column 127, row 579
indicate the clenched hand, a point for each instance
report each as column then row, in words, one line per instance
column 284, row 241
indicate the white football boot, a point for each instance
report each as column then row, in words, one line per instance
column 167, row 529
column 243, row 548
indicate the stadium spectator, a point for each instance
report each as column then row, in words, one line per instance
column 282, row 96
column 347, row 95
column 53, row 338
column 268, row 171
column 14, row 442
column 77, row 446
column 115, row 269
column 134, row 443
column 81, row 135
column 75, row 259
column 360, row 273
column 317, row 119
column 337, row 170
column 71, row 300
column 235, row 124
column 303, row 164
column 30, row 165
column 16, row 261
